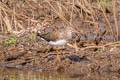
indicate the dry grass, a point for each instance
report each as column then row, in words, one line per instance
column 19, row 15
column 115, row 18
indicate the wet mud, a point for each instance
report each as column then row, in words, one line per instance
column 37, row 55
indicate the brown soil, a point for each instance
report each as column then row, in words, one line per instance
column 97, row 50
column 35, row 54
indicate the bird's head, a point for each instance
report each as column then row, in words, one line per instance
column 38, row 33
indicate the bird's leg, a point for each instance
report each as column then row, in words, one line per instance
column 76, row 47
column 57, row 55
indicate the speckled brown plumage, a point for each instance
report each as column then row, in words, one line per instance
column 64, row 33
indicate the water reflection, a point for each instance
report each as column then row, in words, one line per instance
column 18, row 74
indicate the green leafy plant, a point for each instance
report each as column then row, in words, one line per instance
column 98, row 51
column 105, row 3
column 11, row 41
column 32, row 36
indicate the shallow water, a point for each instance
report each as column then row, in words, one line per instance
column 19, row 74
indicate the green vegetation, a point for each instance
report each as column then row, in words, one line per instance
column 12, row 40
column 12, row 78
column 98, row 51
column 105, row 3
column 32, row 36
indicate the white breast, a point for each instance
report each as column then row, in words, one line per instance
column 58, row 43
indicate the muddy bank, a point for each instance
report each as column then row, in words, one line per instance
column 96, row 24
column 36, row 54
